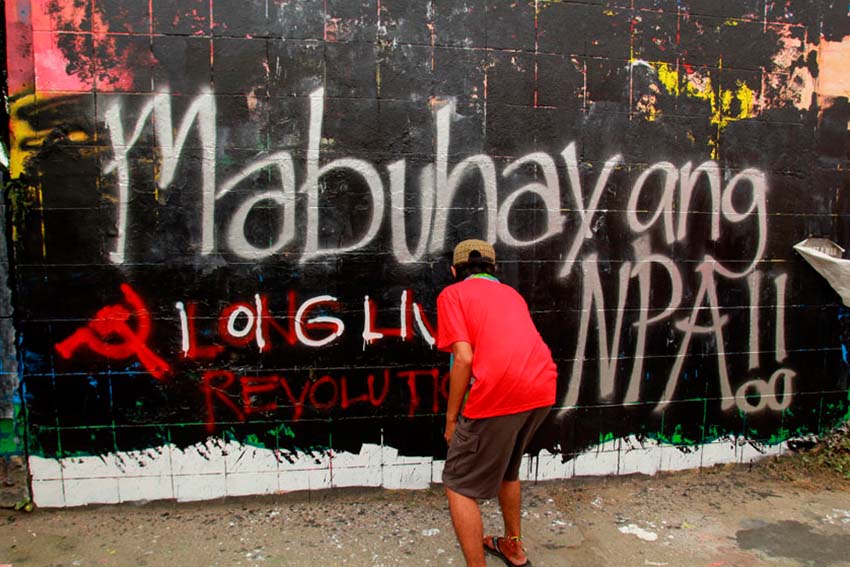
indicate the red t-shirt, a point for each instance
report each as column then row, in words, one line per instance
column 512, row 367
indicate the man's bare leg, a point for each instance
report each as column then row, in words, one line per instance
column 469, row 529
column 510, row 503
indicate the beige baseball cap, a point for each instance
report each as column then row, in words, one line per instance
column 465, row 248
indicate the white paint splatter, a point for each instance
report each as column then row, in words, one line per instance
column 638, row 531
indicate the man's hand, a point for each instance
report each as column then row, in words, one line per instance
column 450, row 430
column 458, row 383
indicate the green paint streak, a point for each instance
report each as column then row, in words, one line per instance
column 284, row 430
column 781, row 435
column 12, row 433
column 675, row 438
column 274, row 435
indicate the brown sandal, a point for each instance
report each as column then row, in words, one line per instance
column 493, row 549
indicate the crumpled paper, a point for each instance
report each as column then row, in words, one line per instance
column 825, row 256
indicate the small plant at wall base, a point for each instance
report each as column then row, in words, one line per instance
column 821, row 460
column 832, row 452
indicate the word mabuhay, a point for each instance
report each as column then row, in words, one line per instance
column 438, row 188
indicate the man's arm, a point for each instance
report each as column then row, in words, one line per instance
column 459, row 376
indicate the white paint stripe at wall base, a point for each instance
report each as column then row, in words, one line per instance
column 215, row 469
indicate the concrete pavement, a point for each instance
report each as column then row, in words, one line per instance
column 726, row 516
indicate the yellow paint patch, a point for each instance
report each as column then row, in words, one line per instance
column 669, row 78
column 78, row 136
column 25, row 142
column 727, row 105
column 24, row 138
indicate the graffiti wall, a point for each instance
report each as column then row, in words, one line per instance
column 230, row 222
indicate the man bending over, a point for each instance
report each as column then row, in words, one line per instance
column 506, row 374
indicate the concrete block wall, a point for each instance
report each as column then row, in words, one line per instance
column 231, row 222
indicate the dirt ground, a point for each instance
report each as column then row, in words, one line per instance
column 774, row 513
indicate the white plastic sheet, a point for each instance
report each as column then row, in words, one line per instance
column 824, row 256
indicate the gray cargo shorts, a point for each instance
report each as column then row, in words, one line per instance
column 484, row 452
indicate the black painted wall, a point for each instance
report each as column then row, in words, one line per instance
column 193, row 182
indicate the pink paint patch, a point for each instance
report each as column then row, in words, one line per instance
column 51, row 66
column 833, row 61
column 53, row 72
column 118, row 76
column 58, row 15
column 19, row 49
column 68, row 58
column 788, row 84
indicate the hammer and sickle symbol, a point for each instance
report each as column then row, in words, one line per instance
column 109, row 334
